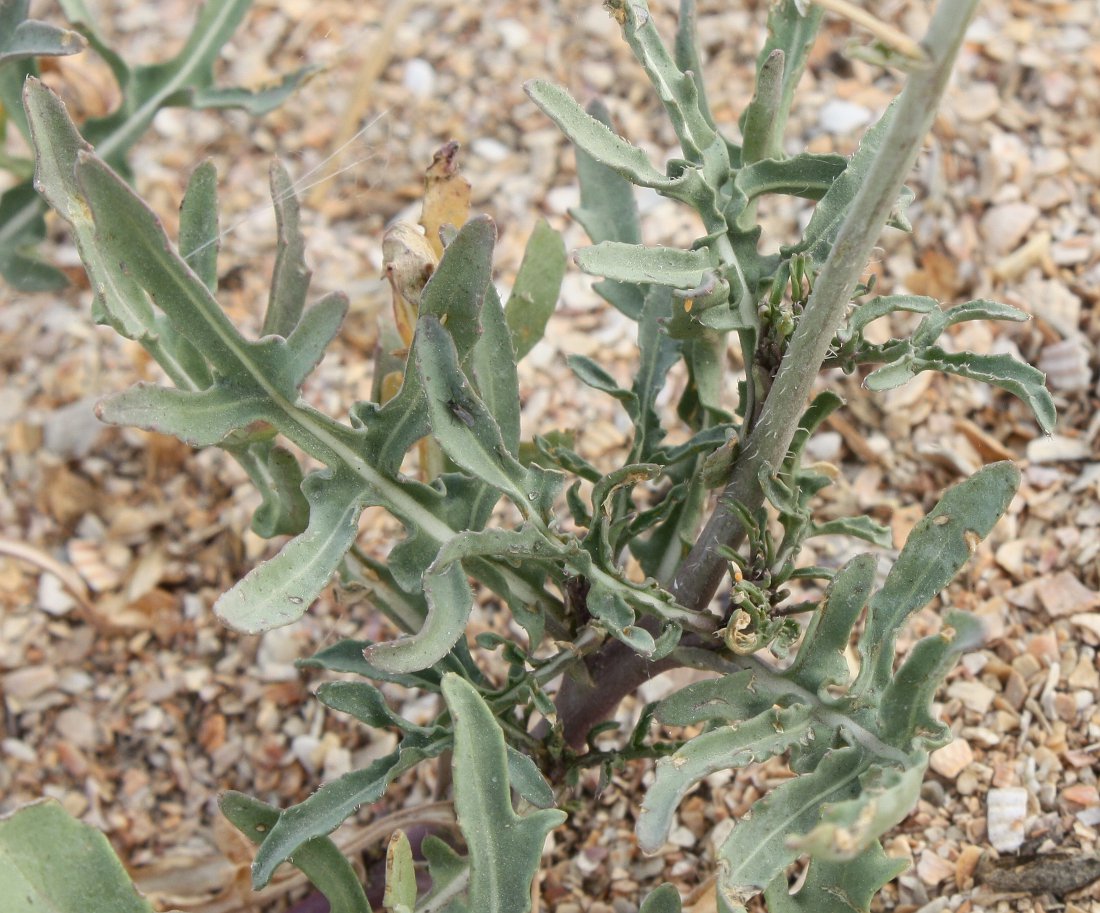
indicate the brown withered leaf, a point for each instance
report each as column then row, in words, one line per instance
column 446, row 195
column 408, row 262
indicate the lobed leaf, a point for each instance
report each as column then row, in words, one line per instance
column 505, row 848
column 1002, row 370
column 328, row 807
column 770, row 733
column 837, row 887
column 938, row 546
column 319, row 859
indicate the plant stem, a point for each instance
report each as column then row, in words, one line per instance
column 615, row 670
column 702, row 570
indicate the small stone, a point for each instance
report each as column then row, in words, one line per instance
column 974, row 695
column 78, row 726
column 839, row 116
column 490, row 150
column 965, row 864
column 1006, row 225
column 29, row 682
column 1066, row 364
column 1088, row 621
column 967, row 783
column 1057, row 448
column 1083, row 794
column 1006, row 812
column 1063, row 594
column 932, row 868
column 977, row 103
column 18, row 750
column 952, row 759
column 419, row 77
column 53, row 598
column 682, row 837
column 71, row 431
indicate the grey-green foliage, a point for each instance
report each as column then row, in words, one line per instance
column 185, row 80
column 567, row 569
column 860, row 747
column 51, row 861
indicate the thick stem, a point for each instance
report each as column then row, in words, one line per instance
column 615, row 670
column 702, row 570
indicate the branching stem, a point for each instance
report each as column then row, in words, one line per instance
column 616, row 670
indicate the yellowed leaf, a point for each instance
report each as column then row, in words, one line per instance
column 446, row 195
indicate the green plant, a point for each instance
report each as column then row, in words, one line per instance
column 858, row 745
column 184, row 80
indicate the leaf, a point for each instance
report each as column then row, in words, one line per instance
column 319, row 859
column 594, row 136
column 1004, row 371
column 833, row 887
column 347, row 656
column 938, row 546
column 328, row 807
column 461, row 423
column 683, row 269
column 504, row 847
column 859, row 527
column 731, row 698
column 446, row 196
column 256, row 102
column 400, row 893
column 22, row 38
column 277, row 475
column 491, row 368
column 528, row 781
column 808, row 175
column 535, row 292
column 199, row 418
column 49, row 861
column 280, row 591
column 184, row 79
column 450, row 874
column 290, row 277
column 662, row 899
column 199, row 224
column 824, row 225
column 880, row 306
column 758, row 849
column 366, row 703
column 450, row 598
column 906, row 700
column 887, row 795
column 768, row 734
column 821, row 658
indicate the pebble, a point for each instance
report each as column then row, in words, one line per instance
column 1063, row 594
column 1004, row 226
column 839, row 116
column 29, row 682
column 1066, row 365
column 419, row 77
column 1057, row 448
column 72, row 431
column 79, row 727
column 974, row 695
column 1006, row 812
column 932, row 868
column 952, row 759
column 53, row 598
